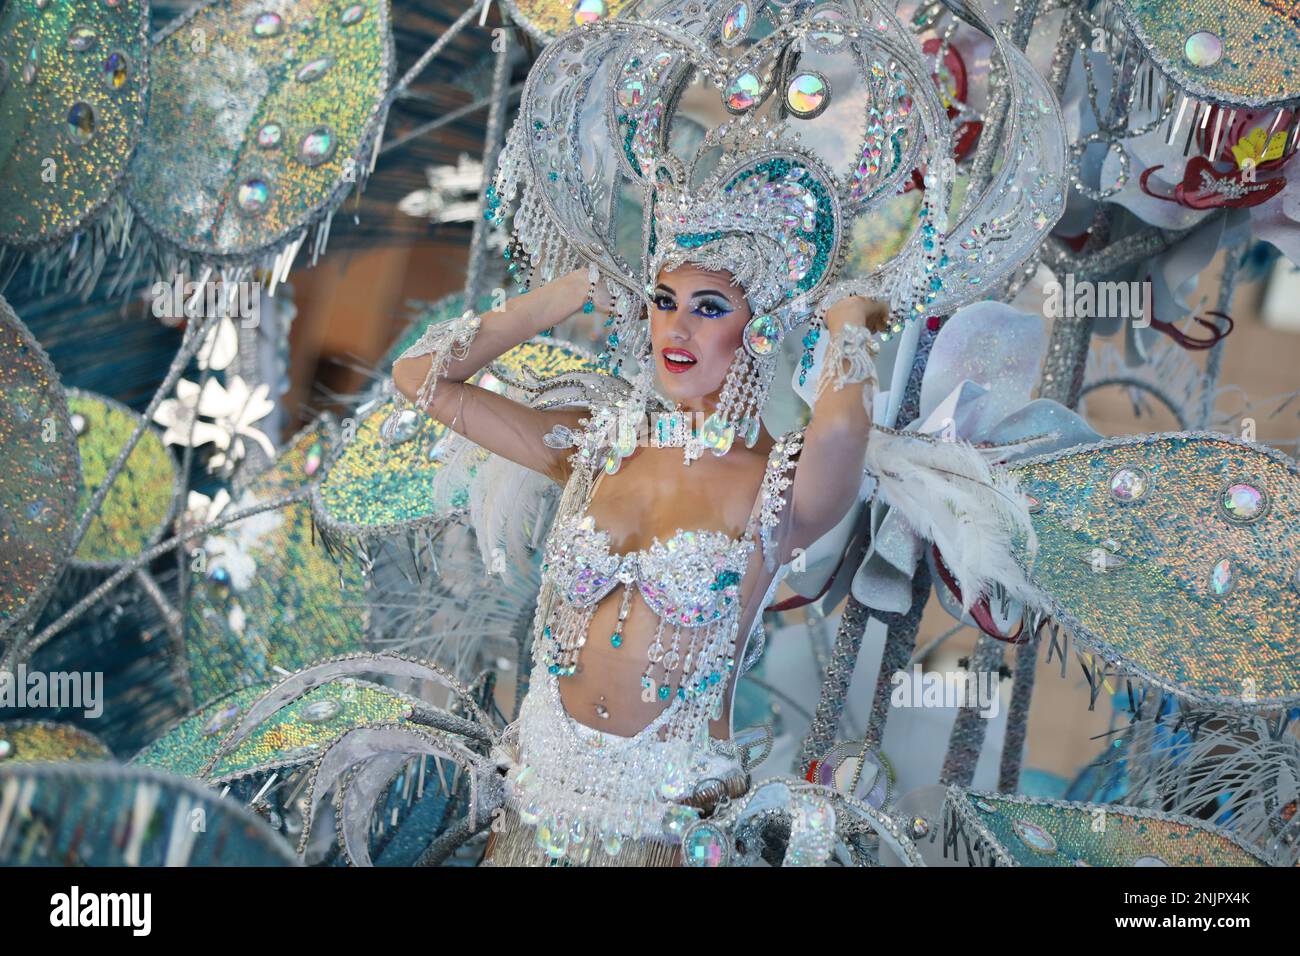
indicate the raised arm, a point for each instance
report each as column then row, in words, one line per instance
column 829, row 472
column 499, row 424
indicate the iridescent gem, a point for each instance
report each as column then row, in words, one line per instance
column 319, row 711
column 253, row 196
column 1223, row 576
column 1128, row 484
column 318, row 146
column 1243, row 502
column 268, row 25
column 919, row 827
column 1203, row 49
column 82, row 38
column 1035, row 505
column 314, row 69
column 762, row 335
column 400, row 426
column 270, row 135
column 352, row 15
column 716, row 434
column 807, row 94
column 735, row 23
column 1034, row 836
column 552, row 838
column 631, row 93
column 704, row 845
column 677, row 818
column 611, row 842
column 219, row 721
column 31, row 64
column 115, row 70
column 530, row 814
column 984, row 805
column 589, row 11
column 81, row 122
column 6, row 748
column 673, row 784
column 743, row 92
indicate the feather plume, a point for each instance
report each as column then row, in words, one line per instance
column 975, row 513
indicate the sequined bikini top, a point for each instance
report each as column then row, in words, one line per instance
column 692, row 579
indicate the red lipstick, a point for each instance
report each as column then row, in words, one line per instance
column 678, row 361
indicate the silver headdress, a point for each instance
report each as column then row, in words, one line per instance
column 752, row 138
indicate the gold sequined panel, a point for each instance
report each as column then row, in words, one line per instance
column 1238, row 52
column 262, row 116
column 1037, row 832
column 189, row 746
column 40, row 474
column 1176, row 555
column 140, row 501
column 72, row 94
column 30, row 741
column 547, row 19
column 541, row 358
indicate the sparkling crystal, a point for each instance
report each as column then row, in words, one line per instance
column 704, row 846
column 318, row 146
column 1244, row 502
column 1223, row 576
column 716, row 434
column 589, row 11
column 1203, row 49
column 828, row 41
column 114, row 71
column 319, row 711
column 743, row 92
column 400, row 426
column 314, row 69
column 552, row 838
column 352, row 15
column 268, row 25
column 270, row 136
column 631, row 92
column 1034, row 836
column 253, row 196
column 763, row 335
column 82, row 38
column 6, row 748
column 807, row 94
column 81, row 122
column 735, row 23
column 1128, row 484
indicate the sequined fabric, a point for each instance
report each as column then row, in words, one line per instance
column 1025, row 831
column 1175, row 556
column 31, row 741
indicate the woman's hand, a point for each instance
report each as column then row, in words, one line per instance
column 858, row 310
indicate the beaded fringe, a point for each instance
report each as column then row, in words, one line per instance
column 516, row 845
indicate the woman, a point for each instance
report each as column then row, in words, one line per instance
column 696, row 325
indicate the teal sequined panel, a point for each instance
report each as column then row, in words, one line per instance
column 73, row 88
column 105, row 814
column 304, row 728
column 1028, row 831
column 32, row 741
column 270, row 595
column 1176, row 557
column 191, row 744
column 1236, row 52
column 261, row 120
column 41, row 476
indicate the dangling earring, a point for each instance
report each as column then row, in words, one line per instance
column 743, row 396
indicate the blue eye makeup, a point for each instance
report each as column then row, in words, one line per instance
column 712, row 307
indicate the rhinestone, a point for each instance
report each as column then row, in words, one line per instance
column 1243, row 502
column 268, row 25
column 704, row 845
column 807, row 94
column 253, row 196
column 319, row 711
column 602, row 712
column 82, row 38
column 219, row 721
column 589, row 11
column 352, row 15
column 919, row 827
column 1128, row 484
column 78, row 422
column 81, row 122
column 1035, row 505
column 31, row 65
column 677, row 818
column 1149, row 861
column 318, row 146
column 827, row 41
column 6, row 748
column 743, row 92
column 1034, row 836
column 400, row 427
column 115, row 71
column 631, row 93
column 735, row 23
column 552, row 838
column 1223, row 577
column 270, row 135
column 762, row 335
column 314, row 69
column 1203, row 49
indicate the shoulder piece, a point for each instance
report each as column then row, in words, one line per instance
column 776, row 480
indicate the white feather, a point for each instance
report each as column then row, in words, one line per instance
column 973, row 512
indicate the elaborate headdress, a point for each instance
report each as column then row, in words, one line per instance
column 817, row 116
